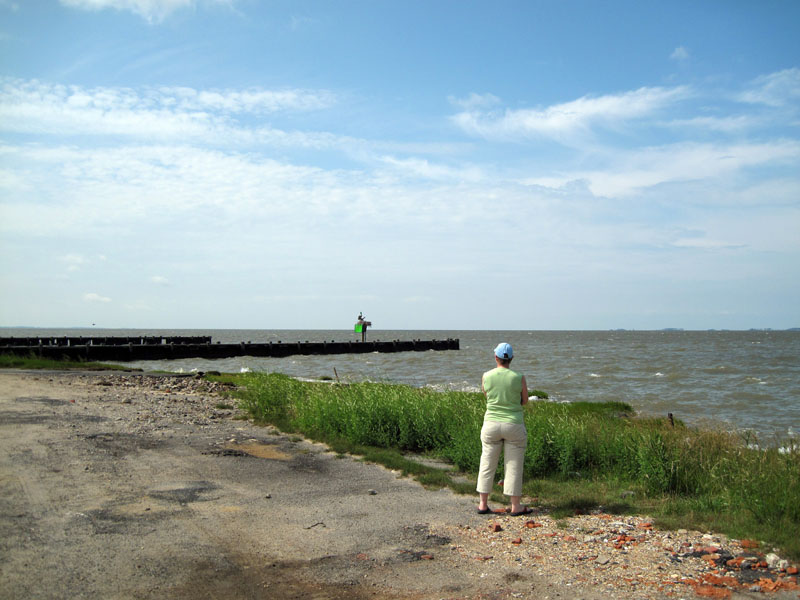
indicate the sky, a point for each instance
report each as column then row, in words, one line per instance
column 444, row 164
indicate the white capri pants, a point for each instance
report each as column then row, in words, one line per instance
column 511, row 438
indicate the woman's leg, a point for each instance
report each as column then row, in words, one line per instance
column 516, row 440
column 491, row 443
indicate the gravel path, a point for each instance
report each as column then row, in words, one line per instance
column 134, row 486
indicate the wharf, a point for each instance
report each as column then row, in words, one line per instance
column 136, row 349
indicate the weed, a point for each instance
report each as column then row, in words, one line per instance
column 8, row 361
column 580, row 457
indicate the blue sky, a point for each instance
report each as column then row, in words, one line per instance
column 434, row 164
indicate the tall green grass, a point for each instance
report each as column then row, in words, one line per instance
column 672, row 469
column 9, row 361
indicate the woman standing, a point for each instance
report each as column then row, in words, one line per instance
column 503, row 429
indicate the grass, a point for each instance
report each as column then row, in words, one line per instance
column 8, row 361
column 580, row 456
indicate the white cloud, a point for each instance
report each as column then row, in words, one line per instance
column 474, row 101
column 680, row 53
column 648, row 167
column 422, row 168
column 159, row 280
column 730, row 124
column 561, row 121
column 93, row 297
column 74, row 262
column 153, row 113
column 154, row 11
column 776, row 89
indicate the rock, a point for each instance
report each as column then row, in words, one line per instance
column 772, row 560
column 602, row 559
column 372, row 492
column 590, row 539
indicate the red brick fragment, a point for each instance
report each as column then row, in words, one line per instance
column 532, row 524
column 721, row 580
column 570, row 538
column 645, row 525
column 495, row 527
column 791, row 570
column 517, row 541
column 426, row 557
column 749, row 544
column 362, row 556
column 735, row 562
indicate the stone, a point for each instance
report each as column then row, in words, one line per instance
column 772, row 560
column 590, row 539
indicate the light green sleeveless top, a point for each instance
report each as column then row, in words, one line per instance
column 503, row 389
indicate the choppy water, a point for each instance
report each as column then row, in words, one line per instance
column 729, row 379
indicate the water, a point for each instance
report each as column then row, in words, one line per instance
column 744, row 380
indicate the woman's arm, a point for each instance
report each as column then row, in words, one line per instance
column 524, row 394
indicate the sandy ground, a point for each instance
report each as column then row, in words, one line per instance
column 112, row 491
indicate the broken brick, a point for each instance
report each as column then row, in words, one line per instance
column 532, row 524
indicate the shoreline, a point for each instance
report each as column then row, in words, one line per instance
column 97, row 462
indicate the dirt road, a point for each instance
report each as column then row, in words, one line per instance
column 104, row 496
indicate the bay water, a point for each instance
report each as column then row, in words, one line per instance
column 735, row 380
